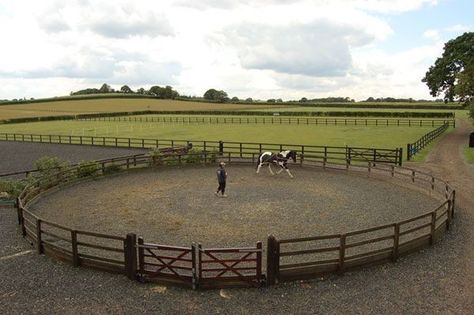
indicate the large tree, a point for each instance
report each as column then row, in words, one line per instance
column 126, row 89
column 453, row 73
column 105, row 88
column 215, row 95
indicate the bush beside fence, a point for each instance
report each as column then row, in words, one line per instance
column 189, row 266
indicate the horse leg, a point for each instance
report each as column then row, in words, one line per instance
column 289, row 173
column 270, row 169
column 258, row 167
column 282, row 167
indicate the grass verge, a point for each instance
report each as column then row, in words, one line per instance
column 469, row 155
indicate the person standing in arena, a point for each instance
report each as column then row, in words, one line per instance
column 221, row 179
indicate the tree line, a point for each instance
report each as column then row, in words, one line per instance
column 166, row 92
column 220, row 96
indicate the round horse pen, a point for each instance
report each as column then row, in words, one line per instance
column 330, row 218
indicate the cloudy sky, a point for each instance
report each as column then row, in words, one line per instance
column 262, row 48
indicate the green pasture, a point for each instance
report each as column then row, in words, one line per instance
column 303, row 118
column 469, row 155
column 372, row 136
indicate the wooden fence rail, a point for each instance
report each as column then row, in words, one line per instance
column 418, row 145
column 200, row 267
column 278, row 120
column 243, row 149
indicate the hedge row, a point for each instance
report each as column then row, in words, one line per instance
column 262, row 113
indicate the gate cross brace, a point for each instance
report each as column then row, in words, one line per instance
column 168, row 265
column 231, row 268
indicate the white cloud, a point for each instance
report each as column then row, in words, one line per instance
column 260, row 49
column 432, row 34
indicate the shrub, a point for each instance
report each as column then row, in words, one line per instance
column 212, row 156
column 193, row 157
column 12, row 187
column 51, row 171
column 112, row 168
column 171, row 161
column 156, row 157
column 87, row 168
column 48, row 165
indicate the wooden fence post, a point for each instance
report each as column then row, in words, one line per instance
column 433, row 227
column 75, row 255
column 396, row 241
column 453, row 204
column 195, row 280
column 259, row 262
column 302, row 155
column 448, row 215
column 18, row 210
column 39, row 248
column 273, row 260
column 141, row 259
column 342, row 253
column 131, row 256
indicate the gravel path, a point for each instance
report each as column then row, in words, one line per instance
column 17, row 156
column 436, row 280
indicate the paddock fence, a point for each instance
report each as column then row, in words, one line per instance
column 242, row 149
column 277, row 120
column 418, row 145
column 302, row 257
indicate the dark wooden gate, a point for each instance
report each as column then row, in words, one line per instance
column 375, row 155
column 221, row 267
column 169, row 264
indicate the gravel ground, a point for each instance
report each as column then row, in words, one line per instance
column 438, row 279
column 17, row 156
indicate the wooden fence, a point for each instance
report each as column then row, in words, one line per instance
column 418, row 145
column 198, row 267
column 242, row 149
column 309, row 257
column 279, row 120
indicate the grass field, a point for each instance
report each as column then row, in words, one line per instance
column 379, row 137
column 72, row 107
column 469, row 155
column 112, row 105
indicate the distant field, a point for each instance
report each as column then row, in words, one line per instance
column 373, row 136
column 72, row 107
column 113, row 105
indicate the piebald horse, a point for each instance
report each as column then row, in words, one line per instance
column 280, row 159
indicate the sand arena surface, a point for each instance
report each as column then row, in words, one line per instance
column 177, row 206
